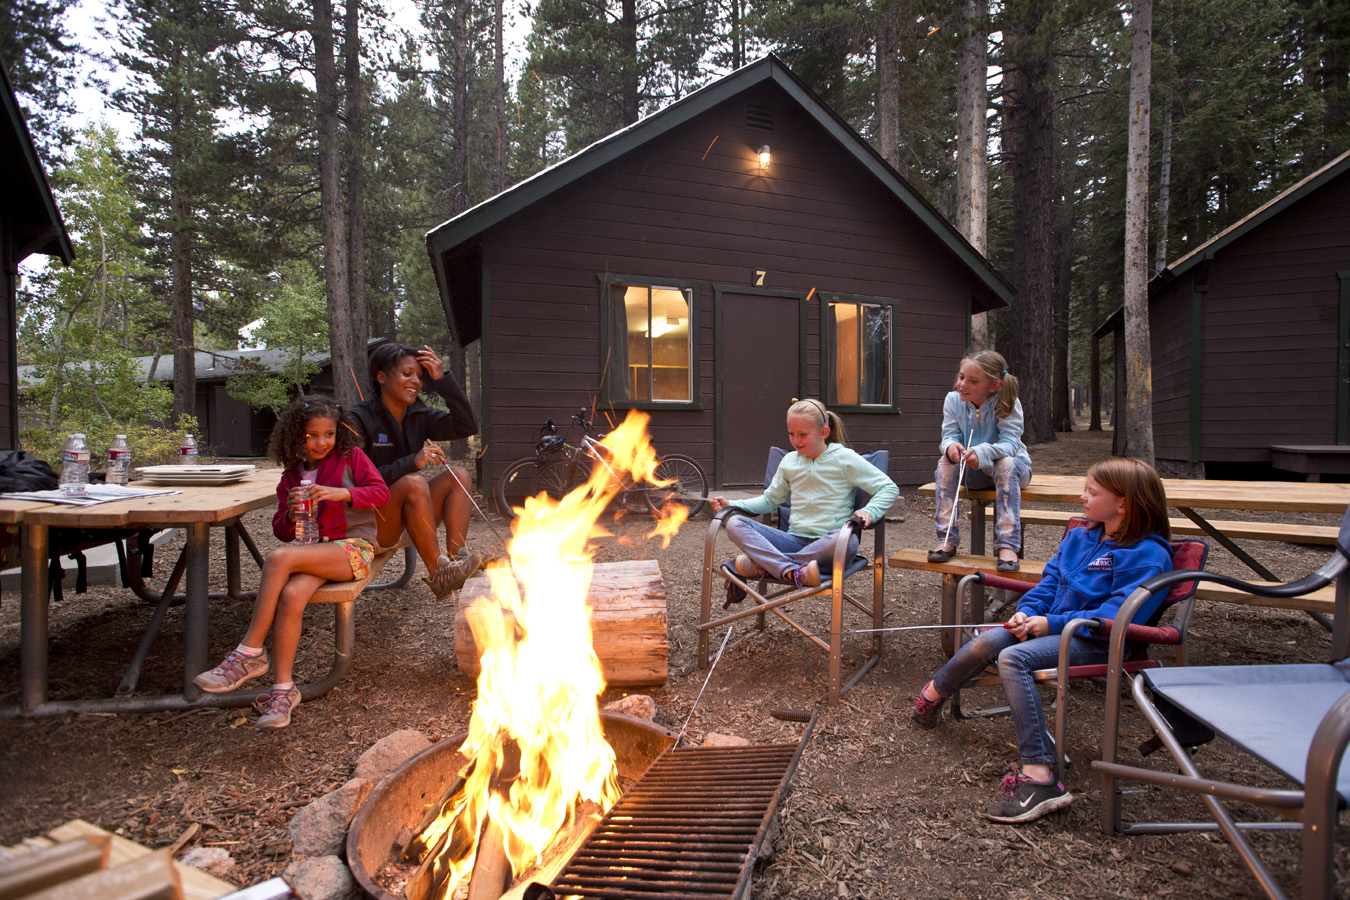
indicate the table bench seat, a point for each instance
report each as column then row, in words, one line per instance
column 1289, row 533
column 962, row 564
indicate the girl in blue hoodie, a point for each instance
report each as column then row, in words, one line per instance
column 1090, row 575
column 982, row 425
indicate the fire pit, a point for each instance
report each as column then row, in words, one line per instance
column 398, row 802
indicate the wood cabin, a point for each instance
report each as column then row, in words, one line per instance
column 709, row 264
column 1250, row 335
column 29, row 223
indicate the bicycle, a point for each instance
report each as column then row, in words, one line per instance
column 517, row 481
column 679, row 478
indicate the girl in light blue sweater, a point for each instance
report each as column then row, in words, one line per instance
column 820, row 476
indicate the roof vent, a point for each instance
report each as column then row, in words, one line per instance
column 759, row 117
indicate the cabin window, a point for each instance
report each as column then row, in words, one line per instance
column 859, row 345
column 650, row 351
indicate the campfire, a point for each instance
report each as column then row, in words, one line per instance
column 540, row 773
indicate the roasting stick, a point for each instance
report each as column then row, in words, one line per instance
column 956, row 497
column 469, row 494
column 711, row 669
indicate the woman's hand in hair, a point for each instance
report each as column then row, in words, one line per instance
column 431, row 363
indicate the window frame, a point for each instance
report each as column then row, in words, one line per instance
column 828, row 360
column 692, row 288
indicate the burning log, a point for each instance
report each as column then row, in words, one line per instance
column 628, row 622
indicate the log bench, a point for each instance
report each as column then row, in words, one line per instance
column 1286, row 532
column 963, row 564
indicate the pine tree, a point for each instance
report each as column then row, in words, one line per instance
column 39, row 53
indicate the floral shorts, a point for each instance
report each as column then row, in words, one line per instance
column 360, row 554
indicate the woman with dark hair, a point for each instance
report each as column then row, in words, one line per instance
column 397, row 427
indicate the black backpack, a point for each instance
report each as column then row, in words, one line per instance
column 20, row 471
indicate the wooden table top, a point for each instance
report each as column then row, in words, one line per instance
column 12, row 511
column 192, row 504
column 1284, row 496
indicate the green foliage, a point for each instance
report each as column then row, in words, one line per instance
column 151, row 445
column 41, row 59
column 295, row 324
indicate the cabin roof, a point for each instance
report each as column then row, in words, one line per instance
column 1313, row 183
column 28, row 200
column 474, row 221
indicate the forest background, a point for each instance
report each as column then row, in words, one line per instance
column 289, row 156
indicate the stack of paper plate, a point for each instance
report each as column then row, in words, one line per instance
column 198, row 475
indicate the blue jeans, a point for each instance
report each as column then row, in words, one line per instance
column 779, row 552
column 1016, row 661
column 1009, row 475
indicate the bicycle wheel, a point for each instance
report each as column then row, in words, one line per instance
column 515, row 484
column 560, row 477
column 688, row 487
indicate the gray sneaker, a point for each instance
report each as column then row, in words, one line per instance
column 276, row 708
column 1021, row 800
column 450, row 576
column 233, row 671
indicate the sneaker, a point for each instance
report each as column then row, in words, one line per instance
column 927, row 713
column 746, row 568
column 807, row 575
column 276, row 708
column 450, row 577
column 233, row 671
column 1022, row 800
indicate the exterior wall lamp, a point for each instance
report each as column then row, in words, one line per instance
column 764, row 158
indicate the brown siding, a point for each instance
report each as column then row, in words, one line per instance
column 1170, row 340
column 677, row 210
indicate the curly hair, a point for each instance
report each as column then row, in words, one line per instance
column 287, row 444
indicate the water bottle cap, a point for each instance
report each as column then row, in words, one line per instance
column 306, row 480
column 121, row 437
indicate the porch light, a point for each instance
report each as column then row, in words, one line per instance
column 764, row 158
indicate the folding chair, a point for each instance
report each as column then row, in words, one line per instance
column 1295, row 718
column 773, row 595
column 1187, row 554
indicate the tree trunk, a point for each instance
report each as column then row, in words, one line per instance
column 1062, row 415
column 1138, row 353
column 1095, row 365
column 499, row 96
column 1164, row 184
column 972, row 139
column 628, row 65
column 1028, row 113
column 340, row 326
column 459, row 103
column 356, row 203
column 888, row 82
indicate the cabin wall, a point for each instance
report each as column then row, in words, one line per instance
column 1170, row 341
column 692, row 206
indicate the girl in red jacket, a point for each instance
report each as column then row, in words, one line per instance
column 314, row 444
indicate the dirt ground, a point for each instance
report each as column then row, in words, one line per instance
column 878, row 808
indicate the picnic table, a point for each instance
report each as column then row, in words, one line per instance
column 195, row 509
column 1185, row 495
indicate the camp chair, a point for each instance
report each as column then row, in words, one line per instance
column 1295, row 718
column 1187, row 554
column 771, row 595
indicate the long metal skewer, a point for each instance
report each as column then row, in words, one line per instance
column 468, row 494
column 711, row 669
column 956, row 497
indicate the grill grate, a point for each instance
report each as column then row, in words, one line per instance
column 688, row 829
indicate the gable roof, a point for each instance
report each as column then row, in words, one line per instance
column 1313, row 183
column 478, row 219
column 28, row 202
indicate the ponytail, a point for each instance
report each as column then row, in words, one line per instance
column 992, row 364
column 816, row 411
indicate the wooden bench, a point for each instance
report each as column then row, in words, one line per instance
column 963, row 564
column 342, row 596
column 1289, row 533
column 1311, row 460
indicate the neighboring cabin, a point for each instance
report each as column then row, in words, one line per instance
column 664, row 268
column 29, row 223
column 1250, row 334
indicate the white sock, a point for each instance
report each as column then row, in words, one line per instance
column 249, row 651
column 282, row 687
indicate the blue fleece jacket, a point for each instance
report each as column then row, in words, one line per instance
column 980, row 429
column 1090, row 575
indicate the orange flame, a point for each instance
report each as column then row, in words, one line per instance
column 540, row 675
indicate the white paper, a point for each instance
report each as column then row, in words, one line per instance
column 97, row 493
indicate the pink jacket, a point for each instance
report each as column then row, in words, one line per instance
column 356, row 519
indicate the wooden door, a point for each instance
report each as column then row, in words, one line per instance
column 760, row 370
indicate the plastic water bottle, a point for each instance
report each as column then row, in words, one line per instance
column 306, row 526
column 74, row 481
column 119, row 461
column 187, row 451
